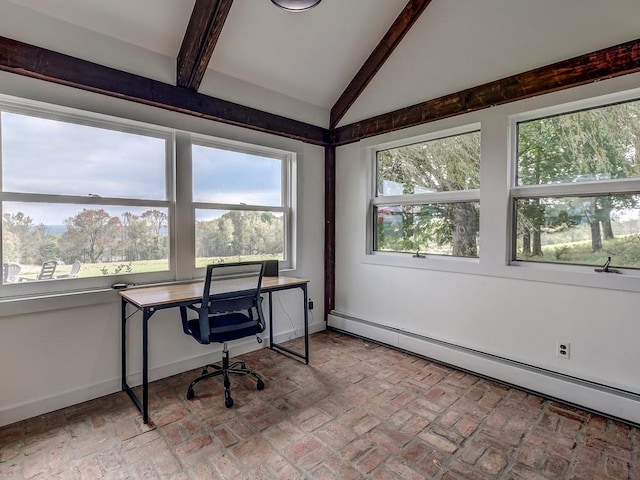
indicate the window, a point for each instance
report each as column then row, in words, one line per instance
column 88, row 200
column 242, row 204
column 427, row 197
column 577, row 188
column 91, row 196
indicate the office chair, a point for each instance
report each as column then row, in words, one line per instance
column 226, row 312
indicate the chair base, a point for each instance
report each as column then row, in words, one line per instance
column 237, row 368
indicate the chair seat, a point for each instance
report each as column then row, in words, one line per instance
column 239, row 326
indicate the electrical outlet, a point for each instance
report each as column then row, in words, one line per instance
column 310, row 304
column 563, row 350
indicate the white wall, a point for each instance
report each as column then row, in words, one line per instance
column 510, row 312
column 60, row 351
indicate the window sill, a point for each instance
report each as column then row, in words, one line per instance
column 58, row 301
column 581, row 276
column 440, row 263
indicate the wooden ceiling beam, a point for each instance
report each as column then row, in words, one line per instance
column 200, row 38
column 35, row 62
column 383, row 50
column 603, row 64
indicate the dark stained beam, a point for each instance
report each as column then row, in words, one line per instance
column 203, row 31
column 329, row 229
column 603, row 64
column 35, row 62
column 387, row 45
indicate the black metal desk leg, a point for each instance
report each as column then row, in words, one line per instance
column 143, row 405
column 306, row 322
column 124, row 344
column 270, row 319
column 305, row 308
column 147, row 312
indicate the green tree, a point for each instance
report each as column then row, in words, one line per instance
column 134, row 237
column 240, row 233
column 90, row 234
column 25, row 242
column 16, row 236
column 156, row 223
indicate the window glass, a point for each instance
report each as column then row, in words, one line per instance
column 41, row 155
column 580, row 230
column 235, row 178
column 104, row 239
column 238, row 235
column 436, row 229
column 445, row 164
column 427, row 197
column 591, row 145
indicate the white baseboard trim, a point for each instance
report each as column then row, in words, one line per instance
column 589, row 395
column 41, row 406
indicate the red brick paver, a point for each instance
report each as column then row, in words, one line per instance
column 359, row 411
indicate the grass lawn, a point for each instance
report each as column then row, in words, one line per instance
column 624, row 251
column 140, row 266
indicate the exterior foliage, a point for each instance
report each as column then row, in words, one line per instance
column 91, row 236
column 240, row 234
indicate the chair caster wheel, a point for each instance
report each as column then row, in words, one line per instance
column 190, row 394
column 260, row 384
column 228, row 402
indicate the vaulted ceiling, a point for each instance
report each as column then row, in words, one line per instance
column 298, row 65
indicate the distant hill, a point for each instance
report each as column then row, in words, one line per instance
column 56, row 229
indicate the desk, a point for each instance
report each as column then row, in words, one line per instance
column 154, row 298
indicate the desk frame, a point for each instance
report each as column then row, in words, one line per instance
column 148, row 308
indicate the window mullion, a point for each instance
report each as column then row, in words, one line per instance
column 184, row 250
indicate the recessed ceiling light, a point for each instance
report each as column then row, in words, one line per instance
column 296, row 5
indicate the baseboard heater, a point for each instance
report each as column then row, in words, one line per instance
column 592, row 396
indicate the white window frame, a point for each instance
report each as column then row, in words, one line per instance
column 58, row 286
column 374, row 201
column 288, row 170
column 586, row 188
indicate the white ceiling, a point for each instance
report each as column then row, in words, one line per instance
column 311, row 56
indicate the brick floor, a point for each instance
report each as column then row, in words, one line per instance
column 358, row 411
